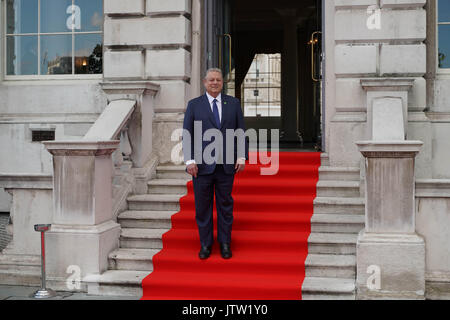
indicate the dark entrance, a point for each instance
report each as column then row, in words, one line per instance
column 271, row 55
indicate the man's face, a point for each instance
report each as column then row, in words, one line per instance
column 213, row 83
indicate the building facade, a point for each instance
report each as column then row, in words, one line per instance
column 105, row 85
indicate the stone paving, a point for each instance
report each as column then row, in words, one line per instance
column 23, row 293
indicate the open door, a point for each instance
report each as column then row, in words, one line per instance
column 218, row 40
column 270, row 53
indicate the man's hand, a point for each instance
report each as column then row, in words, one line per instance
column 192, row 169
column 240, row 165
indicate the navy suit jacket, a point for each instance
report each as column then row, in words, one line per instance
column 199, row 109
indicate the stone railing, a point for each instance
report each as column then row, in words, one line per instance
column 92, row 178
column 113, row 124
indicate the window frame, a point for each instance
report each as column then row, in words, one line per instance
column 255, row 86
column 6, row 77
column 437, row 23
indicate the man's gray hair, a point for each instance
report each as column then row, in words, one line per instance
column 213, row 70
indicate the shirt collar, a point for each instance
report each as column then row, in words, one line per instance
column 211, row 98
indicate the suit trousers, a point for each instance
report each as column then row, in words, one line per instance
column 219, row 184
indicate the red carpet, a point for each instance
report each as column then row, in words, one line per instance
column 271, row 227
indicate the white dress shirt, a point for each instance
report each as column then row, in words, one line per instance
column 219, row 106
column 219, row 103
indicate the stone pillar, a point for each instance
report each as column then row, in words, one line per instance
column 390, row 255
column 289, row 77
column 83, row 230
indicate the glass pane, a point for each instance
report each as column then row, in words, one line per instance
column 21, row 55
column 22, row 16
column 444, row 46
column 91, row 15
column 88, row 54
column 56, row 54
column 54, row 16
column 444, row 10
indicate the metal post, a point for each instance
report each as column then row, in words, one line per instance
column 43, row 292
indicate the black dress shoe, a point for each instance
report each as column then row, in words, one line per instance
column 205, row 252
column 225, row 250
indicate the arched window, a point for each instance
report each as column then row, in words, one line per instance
column 53, row 38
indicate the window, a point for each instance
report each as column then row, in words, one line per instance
column 53, row 37
column 262, row 87
column 443, row 34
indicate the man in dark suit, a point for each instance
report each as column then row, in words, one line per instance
column 216, row 113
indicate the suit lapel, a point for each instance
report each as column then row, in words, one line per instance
column 225, row 110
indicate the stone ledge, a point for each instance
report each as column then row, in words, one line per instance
column 433, row 188
column 389, row 149
column 26, row 181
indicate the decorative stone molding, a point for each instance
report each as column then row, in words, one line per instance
column 26, row 181
column 129, row 89
column 433, row 188
column 387, row 84
column 387, row 94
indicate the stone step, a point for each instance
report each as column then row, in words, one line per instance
column 21, row 276
column 129, row 283
column 134, row 238
column 342, row 205
column 172, row 172
column 324, row 159
column 330, row 265
column 339, row 173
column 145, row 219
column 116, row 283
column 337, row 223
column 159, row 202
column 332, row 243
column 132, row 259
column 319, row 288
column 334, row 223
column 167, row 186
column 331, row 188
column 20, row 269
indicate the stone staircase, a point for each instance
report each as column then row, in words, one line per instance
column 148, row 217
column 330, row 266
column 338, row 218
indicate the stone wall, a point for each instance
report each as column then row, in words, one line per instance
column 160, row 52
column 394, row 48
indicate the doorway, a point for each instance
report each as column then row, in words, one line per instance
column 270, row 53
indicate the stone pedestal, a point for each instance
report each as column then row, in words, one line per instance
column 83, row 230
column 390, row 255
